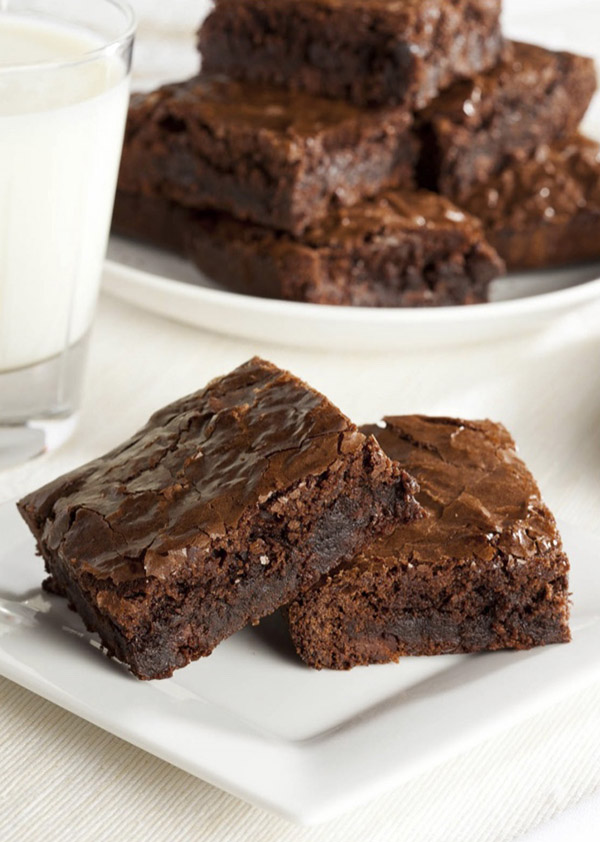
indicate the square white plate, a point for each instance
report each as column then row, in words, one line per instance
column 253, row 720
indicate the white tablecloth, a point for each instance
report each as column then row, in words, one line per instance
column 63, row 779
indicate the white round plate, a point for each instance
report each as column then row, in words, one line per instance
column 171, row 287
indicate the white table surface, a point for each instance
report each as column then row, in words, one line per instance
column 61, row 778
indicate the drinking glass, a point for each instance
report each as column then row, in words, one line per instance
column 64, row 89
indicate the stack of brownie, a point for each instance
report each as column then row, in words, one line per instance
column 256, row 492
column 365, row 152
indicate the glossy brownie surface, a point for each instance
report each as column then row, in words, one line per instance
column 482, row 498
column 191, row 472
column 262, row 153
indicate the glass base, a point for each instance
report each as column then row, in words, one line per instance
column 18, row 444
column 38, row 405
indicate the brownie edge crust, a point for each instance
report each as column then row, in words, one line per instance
column 400, row 249
column 226, row 505
column 485, row 570
column 369, row 52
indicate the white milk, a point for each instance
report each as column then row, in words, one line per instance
column 61, row 132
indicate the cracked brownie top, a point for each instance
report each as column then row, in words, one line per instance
column 190, row 474
column 480, row 497
column 227, row 108
column 554, row 184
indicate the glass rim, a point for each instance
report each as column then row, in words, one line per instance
column 129, row 28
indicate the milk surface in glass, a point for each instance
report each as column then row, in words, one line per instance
column 60, row 141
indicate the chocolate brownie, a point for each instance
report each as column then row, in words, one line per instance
column 224, row 506
column 369, row 52
column 484, row 570
column 536, row 96
column 401, row 249
column 545, row 211
column 261, row 153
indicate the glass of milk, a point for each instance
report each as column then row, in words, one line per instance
column 64, row 89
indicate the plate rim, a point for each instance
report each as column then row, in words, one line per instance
column 542, row 302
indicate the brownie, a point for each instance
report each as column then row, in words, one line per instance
column 536, row 96
column 370, row 52
column 485, row 570
column 261, row 153
column 545, row 211
column 401, row 249
column 227, row 504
